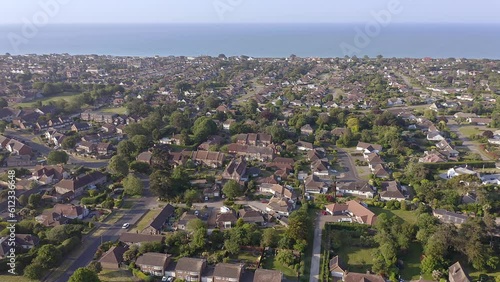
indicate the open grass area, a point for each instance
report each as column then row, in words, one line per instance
column 118, row 110
column 469, row 130
column 358, row 259
column 408, row 216
column 116, row 276
column 145, row 220
column 68, row 96
column 411, row 260
column 475, row 275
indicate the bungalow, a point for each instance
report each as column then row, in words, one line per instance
column 158, row 223
column 362, row 188
column 365, row 277
column 479, row 121
column 60, row 214
column 227, row 124
column 235, row 170
column 49, row 174
column 153, row 263
column 450, row 217
column 212, row 192
column 314, row 185
column 306, row 130
column 368, row 148
column 456, row 273
column 113, row 258
column 109, row 128
column 78, row 184
column 304, row 146
column 282, row 163
column 190, row 269
column 339, row 131
column 227, row 272
column 337, row 268
column 380, row 171
column 456, row 171
column 280, row 206
column 391, row 190
column 354, row 211
column 16, row 147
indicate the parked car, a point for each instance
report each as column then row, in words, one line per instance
column 126, row 225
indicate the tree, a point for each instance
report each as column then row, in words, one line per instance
column 179, row 120
column 34, row 200
column 191, row 196
column 57, row 157
column 140, row 167
column 299, row 223
column 95, row 266
column 286, row 257
column 353, row 124
column 23, row 200
column 3, row 103
column 161, row 184
column 141, row 142
column 118, row 166
column 232, row 189
column 127, row 149
column 33, row 271
column 269, row 238
column 48, row 256
column 132, row 185
column 203, row 127
column 84, row 274
column 195, row 224
column 70, row 142
column 3, row 126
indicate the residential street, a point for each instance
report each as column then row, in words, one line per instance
column 316, row 254
column 467, row 142
column 345, row 161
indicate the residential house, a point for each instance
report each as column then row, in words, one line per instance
column 153, row 263
column 338, row 131
column 86, row 147
column 450, row 217
column 133, row 238
column 226, row 219
column 337, row 268
column 354, row 211
column 19, row 161
column 251, row 152
column 368, row 148
column 360, row 188
column 109, row 128
column 320, row 168
column 435, row 136
column 78, row 184
column 282, row 163
column 456, row 171
column 80, row 126
column 227, row 124
column 98, row 117
column 227, row 272
column 190, row 269
column 251, row 216
column 456, row 273
column 145, row 157
column 159, row 222
column 113, row 258
column 380, row 171
column 267, row 275
column 314, row 185
column 254, row 139
column 103, row 148
column 280, row 206
column 304, row 146
column 213, row 191
column 210, row 159
column 22, row 241
column 15, row 147
column 432, row 157
column 49, row 174
column 235, row 170
column 479, row 121
column 315, row 154
column 391, row 190
column 51, row 219
column 306, row 130
column 365, row 277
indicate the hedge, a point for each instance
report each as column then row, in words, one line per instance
column 474, row 164
column 94, row 200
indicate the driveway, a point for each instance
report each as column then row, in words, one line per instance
column 350, row 174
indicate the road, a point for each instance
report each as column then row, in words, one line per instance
column 345, row 160
column 109, row 233
column 467, row 142
column 316, row 253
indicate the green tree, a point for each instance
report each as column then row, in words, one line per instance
column 23, row 200
column 95, row 266
column 195, row 224
column 353, row 124
column 83, row 274
column 127, row 149
column 203, row 127
column 161, row 184
column 3, row 103
column 232, row 189
column 132, row 185
column 34, row 200
column 191, row 196
column 48, row 256
column 141, row 142
column 299, row 224
column 286, row 257
column 118, row 166
column 33, row 271
column 57, row 157
column 269, row 238
column 70, row 142
column 3, row 126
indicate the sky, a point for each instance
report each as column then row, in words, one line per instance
column 246, row 11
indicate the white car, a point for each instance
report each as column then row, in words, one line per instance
column 126, row 225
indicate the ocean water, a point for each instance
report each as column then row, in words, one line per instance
column 257, row 40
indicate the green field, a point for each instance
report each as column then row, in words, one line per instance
column 411, row 262
column 408, row 216
column 14, row 278
column 119, row 110
column 68, row 96
column 358, row 259
column 469, row 130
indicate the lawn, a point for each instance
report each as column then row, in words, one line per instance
column 14, row 278
column 408, row 216
column 68, row 96
column 469, row 130
column 145, row 220
column 359, row 259
column 411, row 270
column 118, row 110
column 115, row 275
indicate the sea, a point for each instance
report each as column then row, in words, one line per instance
column 475, row 41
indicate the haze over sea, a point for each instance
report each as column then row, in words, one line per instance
column 258, row 40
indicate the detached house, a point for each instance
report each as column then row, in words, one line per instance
column 353, row 212
column 391, row 190
column 361, row 188
column 77, row 185
column 235, row 170
column 153, row 263
column 367, row 148
column 113, row 258
column 160, row 221
column 190, row 269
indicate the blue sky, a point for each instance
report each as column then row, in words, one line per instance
column 258, row 11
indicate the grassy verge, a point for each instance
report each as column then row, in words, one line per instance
column 14, row 278
column 68, row 96
column 116, row 276
column 145, row 220
column 469, row 130
column 118, row 110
